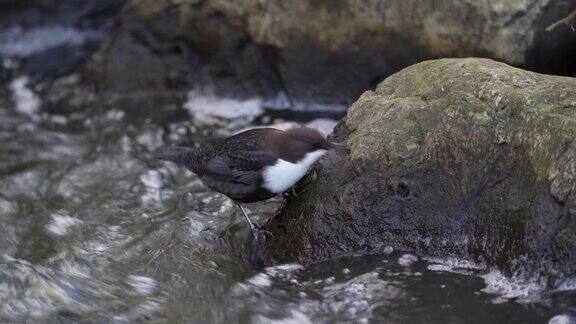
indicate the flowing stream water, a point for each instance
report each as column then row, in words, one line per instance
column 93, row 229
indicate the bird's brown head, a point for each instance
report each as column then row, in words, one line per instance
column 313, row 138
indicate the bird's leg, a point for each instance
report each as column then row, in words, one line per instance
column 292, row 191
column 252, row 227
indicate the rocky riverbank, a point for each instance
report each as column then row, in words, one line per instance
column 464, row 158
column 294, row 53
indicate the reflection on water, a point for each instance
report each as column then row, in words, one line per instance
column 92, row 228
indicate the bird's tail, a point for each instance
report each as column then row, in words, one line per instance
column 185, row 156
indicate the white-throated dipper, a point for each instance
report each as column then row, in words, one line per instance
column 254, row 165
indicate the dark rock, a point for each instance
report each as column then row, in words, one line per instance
column 47, row 39
column 464, row 158
column 79, row 13
column 320, row 51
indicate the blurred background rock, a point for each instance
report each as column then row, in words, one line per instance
column 298, row 54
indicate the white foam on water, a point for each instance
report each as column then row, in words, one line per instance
column 357, row 297
column 61, row 224
column 388, row 250
column 512, row 288
column 566, row 285
column 260, row 280
column 25, row 100
column 143, row 285
column 454, row 265
column 407, row 260
column 296, row 317
column 115, row 115
column 329, row 280
column 23, row 42
column 562, row 319
column 289, row 267
column 59, row 120
column 502, row 286
column 284, row 271
column 206, row 107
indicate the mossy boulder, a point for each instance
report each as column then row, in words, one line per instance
column 466, row 158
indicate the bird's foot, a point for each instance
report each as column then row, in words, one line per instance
column 290, row 192
column 262, row 229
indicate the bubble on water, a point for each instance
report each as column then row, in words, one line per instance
column 142, row 285
column 407, row 260
column 61, row 224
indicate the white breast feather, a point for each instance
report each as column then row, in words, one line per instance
column 283, row 175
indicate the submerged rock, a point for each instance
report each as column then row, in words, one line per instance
column 465, row 158
column 326, row 51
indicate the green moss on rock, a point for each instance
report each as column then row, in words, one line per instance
column 455, row 157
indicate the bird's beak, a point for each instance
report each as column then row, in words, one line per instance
column 337, row 146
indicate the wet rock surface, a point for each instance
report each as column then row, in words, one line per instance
column 454, row 157
column 290, row 52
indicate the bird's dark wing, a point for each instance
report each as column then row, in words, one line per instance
column 239, row 166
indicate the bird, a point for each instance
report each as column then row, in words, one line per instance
column 253, row 165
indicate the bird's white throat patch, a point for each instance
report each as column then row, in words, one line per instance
column 283, row 175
